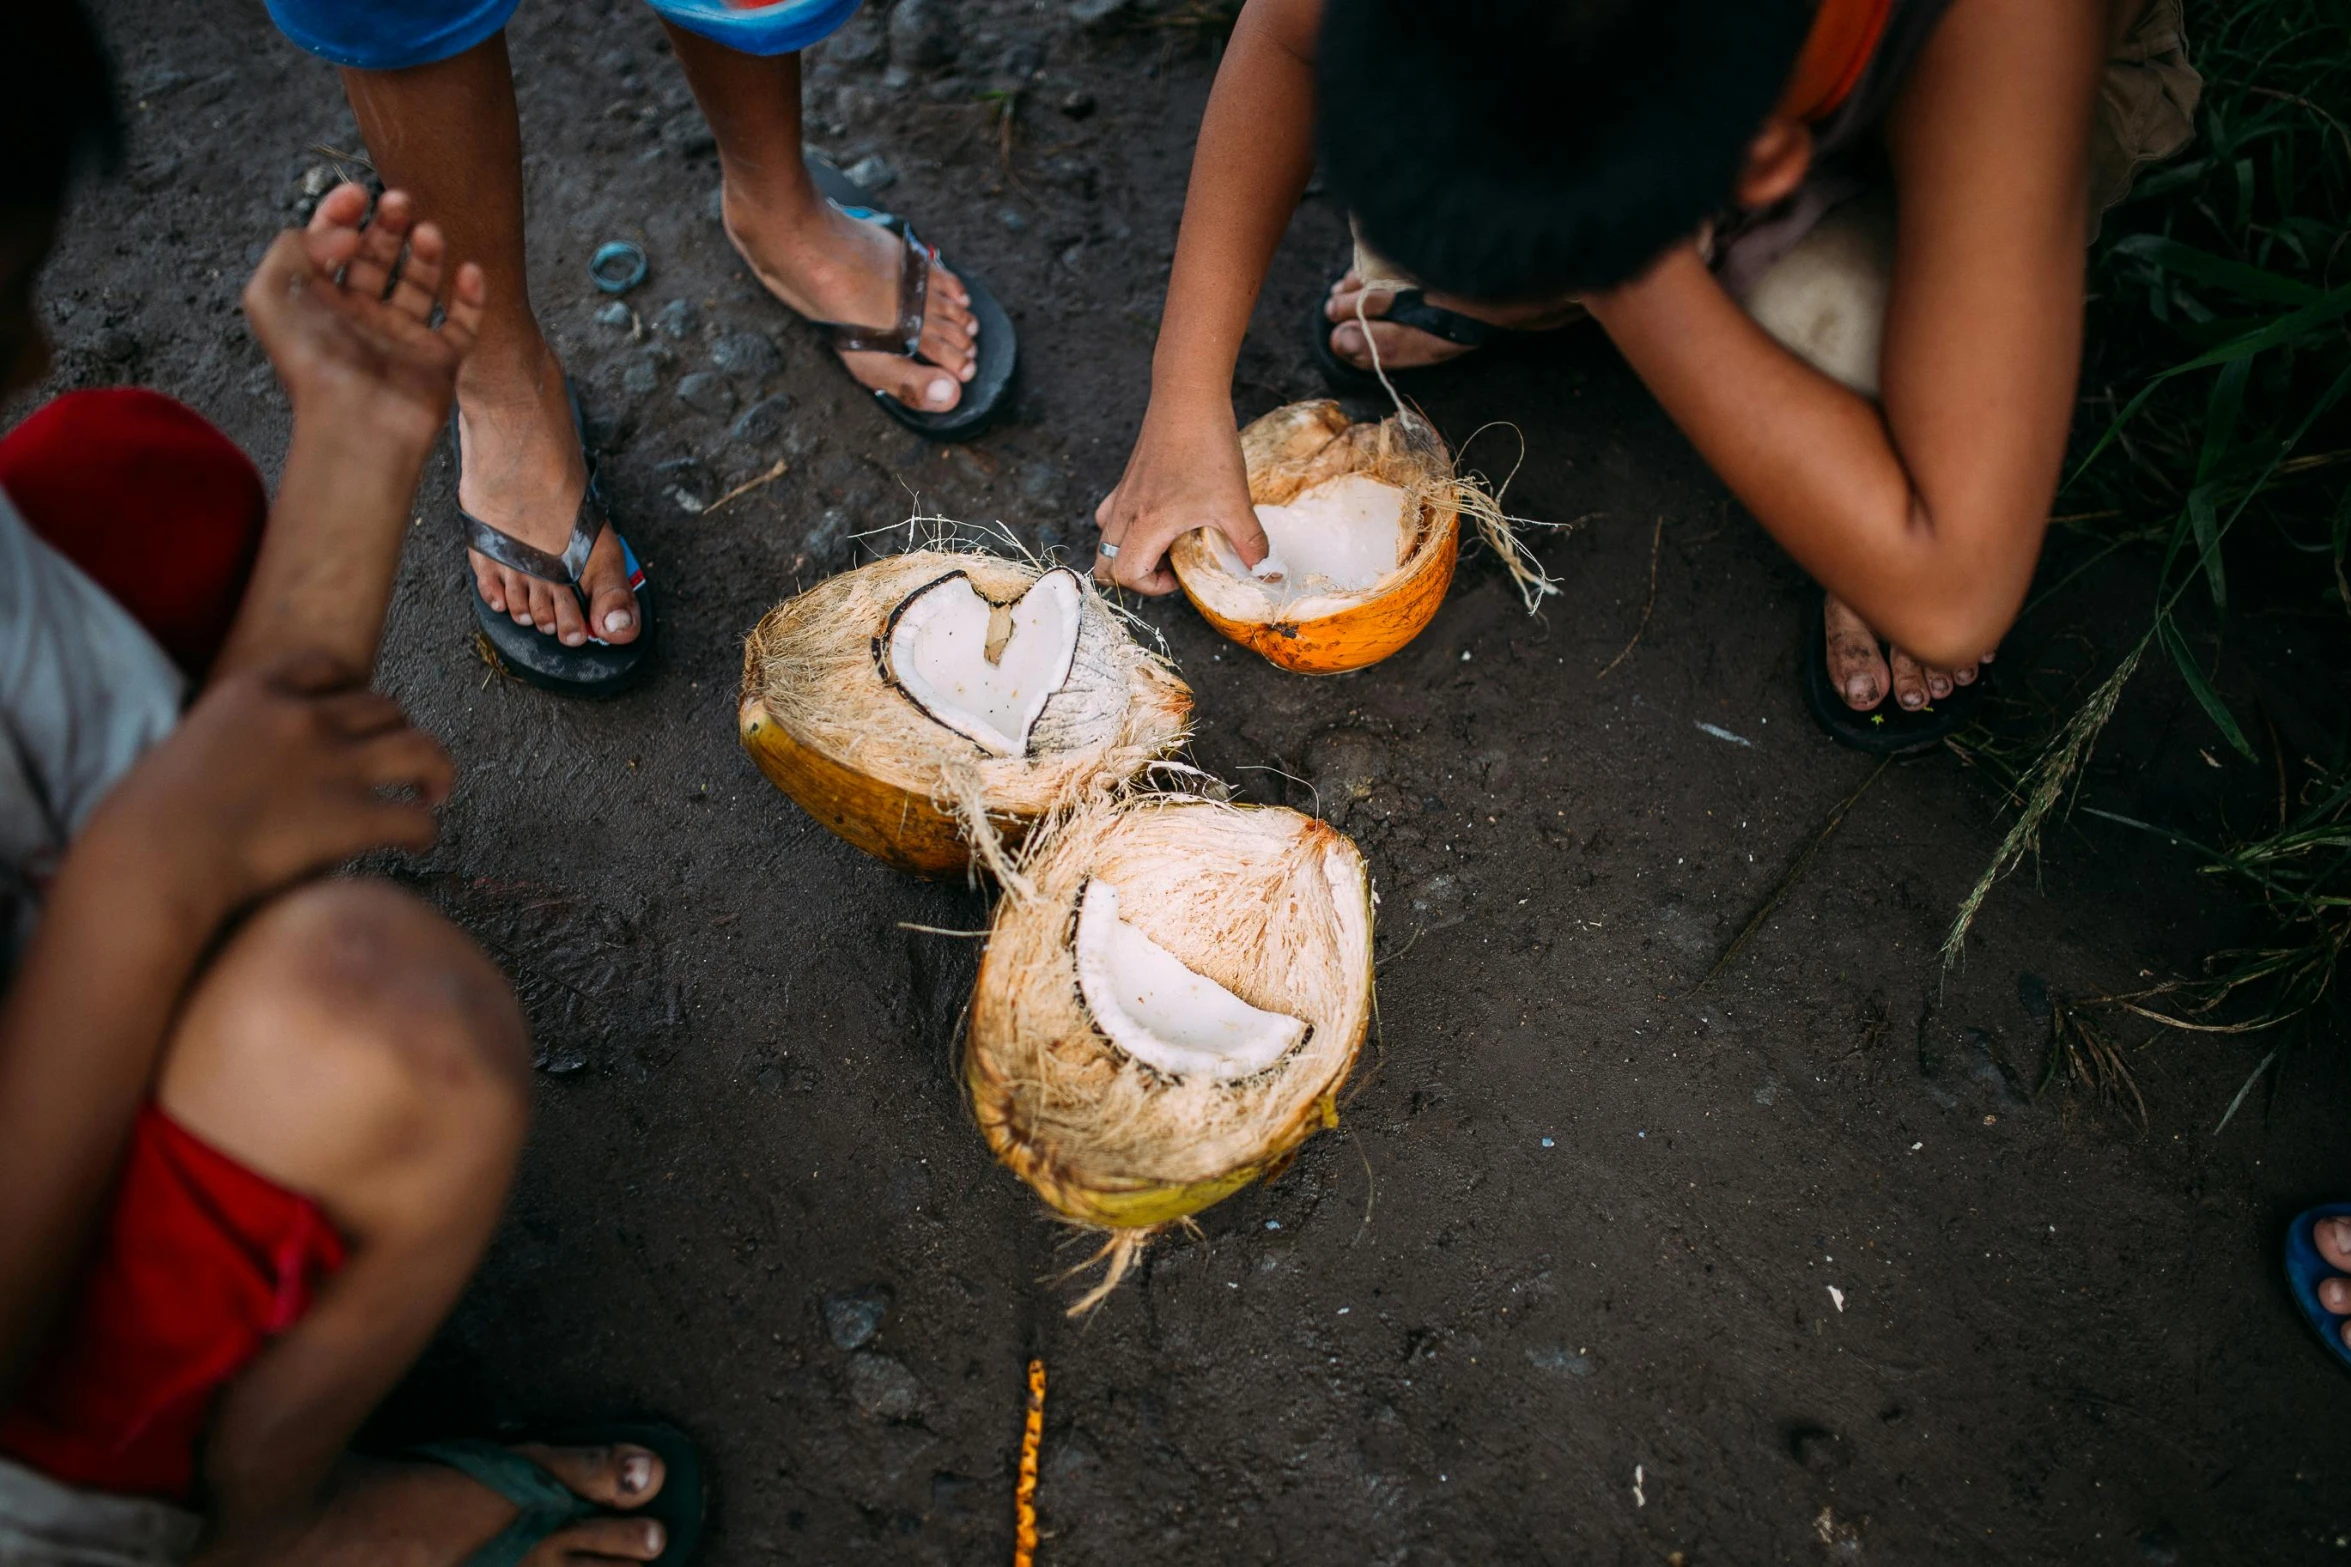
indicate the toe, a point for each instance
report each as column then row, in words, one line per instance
column 1856, row 668
column 571, row 624
column 622, row 1475
column 2333, row 1238
column 2335, row 1295
column 489, row 580
column 1964, row 675
column 913, row 383
column 947, row 284
column 1938, row 681
column 1347, row 343
column 608, row 1539
column 1910, row 681
column 612, row 603
column 543, row 605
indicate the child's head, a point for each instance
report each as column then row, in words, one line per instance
column 56, row 120
column 1509, row 149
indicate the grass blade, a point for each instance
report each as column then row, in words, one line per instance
column 2214, row 708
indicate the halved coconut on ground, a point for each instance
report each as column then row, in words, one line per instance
column 1364, row 526
column 915, row 703
column 1173, row 1009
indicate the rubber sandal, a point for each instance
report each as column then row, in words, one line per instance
column 1408, row 307
column 547, row 1505
column 1888, row 729
column 596, row 668
column 988, row 391
column 2306, row 1270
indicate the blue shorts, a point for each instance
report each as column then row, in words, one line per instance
column 388, row 35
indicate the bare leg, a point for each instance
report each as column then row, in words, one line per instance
column 350, row 1044
column 825, row 266
column 447, row 133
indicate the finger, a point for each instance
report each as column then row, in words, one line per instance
column 1138, row 565
column 1248, row 537
column 419, row 287
column 463, row 321
column 357, row 714
column 369, row 274
column 283, row 268
column 408, row 759
column 344, row 208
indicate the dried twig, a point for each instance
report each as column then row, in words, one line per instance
column 1795, row 872
column 748, row 485
column 1656, row 538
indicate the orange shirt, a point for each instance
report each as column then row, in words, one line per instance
column 1844, row 35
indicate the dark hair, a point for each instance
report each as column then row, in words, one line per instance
column 1503, row 149
column 57, row 114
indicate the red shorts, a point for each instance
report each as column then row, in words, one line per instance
column 199, row 1261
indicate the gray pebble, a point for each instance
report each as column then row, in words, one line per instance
column 676, row 318
column 761, row 423
column 881, row 1388
column 1078, row 104
column 1555, row 1359
column 751, row 354
column 640, row 378
column 1098, row 13
column 873, row 172
column 1012, row 220
column 853, row 1317
column 614, row 314
column 707, row 393
column 923, row 35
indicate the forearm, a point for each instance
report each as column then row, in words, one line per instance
column 323, row 581
column 80, row 1034
column 1821, row 469
column 1252, row 161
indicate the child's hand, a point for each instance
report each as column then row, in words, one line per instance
column 1184, row 473
column 277, row 773
column 346, row 317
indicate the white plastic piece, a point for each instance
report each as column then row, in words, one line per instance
column 1164, row 1014
column 939, row 656
column 1340, row 536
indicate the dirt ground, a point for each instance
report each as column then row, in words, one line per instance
column 1610, row 1260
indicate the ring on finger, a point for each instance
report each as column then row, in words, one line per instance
column 1108, row 549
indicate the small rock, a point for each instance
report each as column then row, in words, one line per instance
column 860, row 42
column 1012, row 220
column 1555, row 1359
column 1769, row 1092
column 873, row 172
column 1077, row 104
column 761, row 423
column 707, row 392
column 881, row 1388
column 317, row 180
column 853, row 1317
column 751, row 354
column 640, row 378
column 687, row 134
column 1818, row 1449
column 676, row 318
column 2032, row 993
column 1039, row 480
column 828, row 535
column 1022, row 59
column 614, row 314
column 923, row 35
column 1099, row 13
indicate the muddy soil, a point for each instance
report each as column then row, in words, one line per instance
column 1614, row 1257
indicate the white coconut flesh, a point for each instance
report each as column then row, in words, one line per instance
column 1340, row 536
column 1165, row 1014
column 982, row 669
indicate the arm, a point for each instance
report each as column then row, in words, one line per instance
column 1925, row 514
column 1254, row 156
column 370, row 382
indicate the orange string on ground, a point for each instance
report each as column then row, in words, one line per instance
column 1024, row 1534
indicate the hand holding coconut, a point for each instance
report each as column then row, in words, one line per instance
column 1185, row 472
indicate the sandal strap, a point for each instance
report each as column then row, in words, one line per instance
column 1410, row 308
column 545, row 1504
column 529, row 559
column 914, row 286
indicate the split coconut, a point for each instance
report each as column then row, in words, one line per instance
column 937, row 704
column 1363, row 523
column 1171, row 1009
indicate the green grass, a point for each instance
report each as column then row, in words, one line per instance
column 2219, row 360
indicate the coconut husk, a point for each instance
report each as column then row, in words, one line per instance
column 1271, row 904
column 1289, row 451
column 827, row 725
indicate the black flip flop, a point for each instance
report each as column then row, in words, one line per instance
column 1408, row 308
column 988, row 392
column 596, row 668
column 1888, row 729
column 546, row 1505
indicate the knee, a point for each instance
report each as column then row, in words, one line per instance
column 350, row 1043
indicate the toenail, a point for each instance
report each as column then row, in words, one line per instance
column 1913, row 699
column 968, row 371
column 574, row 638
column 618, row 620
column 636, row 1473
column 941, row 393
column 653, row 1538
column 1860, row 689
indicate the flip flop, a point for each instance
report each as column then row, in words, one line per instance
column 1888, row 729
column 1408, row 307
column 548, row 1505
column 2306, row 1270
column 596, row 668
column 988, row 391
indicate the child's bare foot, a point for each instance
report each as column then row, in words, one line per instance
column 1409, row 348
column 416, row 1514
column 521, row 470
column 831, row 267
column 1861, row 673
column 2333, row 1239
